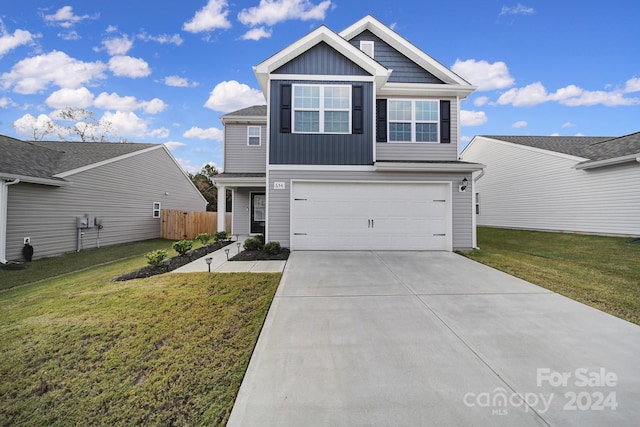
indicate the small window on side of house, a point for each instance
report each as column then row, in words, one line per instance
column 156, row 210
column 367, row 47
column 253, row 136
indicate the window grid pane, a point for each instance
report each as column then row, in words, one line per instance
column 426, row 132
column 307, row 121
column 307, row 97
column 400, row 132
column 336, row 98
column 336, row 121
column 400, row 110
column 426, row 111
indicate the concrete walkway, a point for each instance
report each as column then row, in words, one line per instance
column 219, row 263
column 432, row 338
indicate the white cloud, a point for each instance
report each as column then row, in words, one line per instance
column 177, row 81
column 126, row 124
column 472, row 118
column 113, row 101
column 65, row 17
column 70, row 35
column 579, row 134
column 211, row 17
column 118, row 45
column 172, row 145
column 517, row 10
column 568, row 125
column 632, row 85
column 76, row 98
column 572, row 96
column 188, row 166
column 161, row 132
column 480, row 101
column 209, row 133
column 111, row 29
column 520, row 124
column 483, row 74
column 271, row 12
column 555, row 134
column 34, row 74
column 465, row 138
column 6, row 102
column 256, row 34
column 127, row 66
column 35, row 127
column 162, row 38
column 9, row 42
column 231, row 95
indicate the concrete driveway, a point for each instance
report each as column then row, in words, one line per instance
column 432, row 338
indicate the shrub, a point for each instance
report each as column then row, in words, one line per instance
column 220, row 236
column 260, row 237
column 272, row 248
column 156, row 257
column 253, row 244
column 182, row 246
column 204, row 238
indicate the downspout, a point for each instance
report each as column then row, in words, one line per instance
column 4, row 192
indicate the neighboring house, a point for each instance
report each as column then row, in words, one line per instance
column 357, row 148
column 577, row 184
column 46, row 186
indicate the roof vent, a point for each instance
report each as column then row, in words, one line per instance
column 367, row 47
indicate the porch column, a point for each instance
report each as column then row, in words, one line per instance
column 222, row 208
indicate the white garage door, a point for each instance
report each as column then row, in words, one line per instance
column 370, row 216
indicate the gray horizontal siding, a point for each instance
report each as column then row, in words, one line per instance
column 242, row 209
column 121, row 193
column 404, row 69
column 279, row 200
column 240, row 157
column 529, row 189
column 324, row 60
column 330, row 149
column 423, row 151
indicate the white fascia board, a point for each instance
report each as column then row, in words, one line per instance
column 34, row 180
column 425, row 89
column 106, row 162
column 323, row 168
column 243, row 119
column 427, row 167
column 321, row 77
column 240, row 182
column 526, row 147
column 405, row 47
column 321, row 34
column 609, row 162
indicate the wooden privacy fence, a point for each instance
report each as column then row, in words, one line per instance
column 179, row 225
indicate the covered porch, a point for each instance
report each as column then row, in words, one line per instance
column 248, row 200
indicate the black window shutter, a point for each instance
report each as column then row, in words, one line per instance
column 381, row 120
column 357, row 115
column 285, row 108
column 445, row 122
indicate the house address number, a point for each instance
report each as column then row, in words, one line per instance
column 278, row 186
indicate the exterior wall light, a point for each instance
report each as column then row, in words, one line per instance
column 463, row 185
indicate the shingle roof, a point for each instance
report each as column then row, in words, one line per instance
column 45, row 159
column 253, row 111
column 588, row 147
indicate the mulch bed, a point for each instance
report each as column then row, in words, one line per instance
column 171, row 264
column 261, row 256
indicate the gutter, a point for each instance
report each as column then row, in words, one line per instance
column 3, row 217
column 608, row 162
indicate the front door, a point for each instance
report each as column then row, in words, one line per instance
column 258, row 213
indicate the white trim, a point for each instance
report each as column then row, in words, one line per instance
column 327, row 168
column 524, row 147
column 321, row 77
column 427, row 167
column 413, row 122
column 608, row 162
column 253, row 136
column 241, row 120
column 368, row 47
column 156, row 210
column 240, row 182
column 34, row 180
column 322, row 109
column 449, row 216
column 425, row 89
column 106, row 162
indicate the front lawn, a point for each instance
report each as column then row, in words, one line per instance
column 167, row 350
column 603, row 272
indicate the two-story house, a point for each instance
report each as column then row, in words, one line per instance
column 356, row 149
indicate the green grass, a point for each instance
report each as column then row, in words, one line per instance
column 167, row 350
column 55, row 266
column 603, row 272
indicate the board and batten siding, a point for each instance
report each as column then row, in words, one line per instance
column 404, row 69
column 279, row 203
column 242, row 209
column 239, row 157
column 322, row 59
column 321, row 149
column 394, row 151
column 121, row 193
column 533, row 189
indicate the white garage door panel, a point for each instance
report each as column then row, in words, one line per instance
column 370, row 216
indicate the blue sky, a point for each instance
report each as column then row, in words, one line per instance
column 164, row 71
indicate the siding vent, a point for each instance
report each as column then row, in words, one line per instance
column 367, row 47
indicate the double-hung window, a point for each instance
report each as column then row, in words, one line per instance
column 413, row 120
column 321, row 108
column 253, row 135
